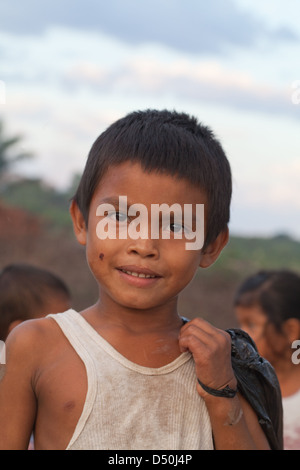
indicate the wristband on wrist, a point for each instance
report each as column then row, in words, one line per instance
column 225, row 392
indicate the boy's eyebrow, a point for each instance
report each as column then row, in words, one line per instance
column 115, row 201
column 110, row 200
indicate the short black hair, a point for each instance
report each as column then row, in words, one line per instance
column 168, row 142
column 276, row 292
column 24, row 290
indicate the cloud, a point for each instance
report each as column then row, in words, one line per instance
column 268, row 202
column 65, row 61
column 197, row 27
column 286, row 192
column 202, row 81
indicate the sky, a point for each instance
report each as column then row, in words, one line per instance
column 69, row 69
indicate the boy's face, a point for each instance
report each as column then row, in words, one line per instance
column 270, row 342
column 141, row 272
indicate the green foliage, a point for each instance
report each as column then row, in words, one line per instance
column 40, row 199
column 9, row 152
column 246, row 255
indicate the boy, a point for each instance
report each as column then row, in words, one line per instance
column 267, row 305
column 129, row 372
column 28, row 292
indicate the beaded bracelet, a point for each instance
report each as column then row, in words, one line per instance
column 225, row 392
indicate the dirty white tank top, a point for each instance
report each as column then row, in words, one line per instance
column 129, row 406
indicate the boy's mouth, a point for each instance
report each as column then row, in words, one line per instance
column 132, row 273
column 138, row 272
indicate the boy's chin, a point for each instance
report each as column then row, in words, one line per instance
column 139, row 306
column 142, row 305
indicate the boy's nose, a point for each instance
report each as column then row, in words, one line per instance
column 144, row 247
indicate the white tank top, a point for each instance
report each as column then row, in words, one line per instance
column 132, row 407
column 291, row 421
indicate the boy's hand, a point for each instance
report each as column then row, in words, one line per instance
column 234, row 423
column 211, row 349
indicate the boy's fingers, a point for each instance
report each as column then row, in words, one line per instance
column 193, row 338
column 191, row 342
column 205, row 332
column 211, row 349
column 200, row 323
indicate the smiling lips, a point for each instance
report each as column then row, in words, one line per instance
column 139, row 272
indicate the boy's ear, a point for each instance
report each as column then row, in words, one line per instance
column 291, row 328
column 79, row 225
column 212, row 252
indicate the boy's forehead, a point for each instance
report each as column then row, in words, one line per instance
column 131, row 179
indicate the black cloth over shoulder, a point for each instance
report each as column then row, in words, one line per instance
column 258, row 383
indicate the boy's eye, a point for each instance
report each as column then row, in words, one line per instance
column 251, row 326
column 176, row 228
column 179, row 227
column 117, row 216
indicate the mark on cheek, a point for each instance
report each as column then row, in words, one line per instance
column 101, row 256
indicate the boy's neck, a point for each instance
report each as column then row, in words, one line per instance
column 288, row 376
column 136, row 321
column 146, row 337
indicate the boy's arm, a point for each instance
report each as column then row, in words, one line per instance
column 234, row 424
column 17, row 398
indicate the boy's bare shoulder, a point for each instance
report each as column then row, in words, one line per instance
column 32, row 336
column 39, row 327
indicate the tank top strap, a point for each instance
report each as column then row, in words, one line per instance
column 71, row 326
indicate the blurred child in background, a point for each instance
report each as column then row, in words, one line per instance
column 267, row 306
column 28, row 292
